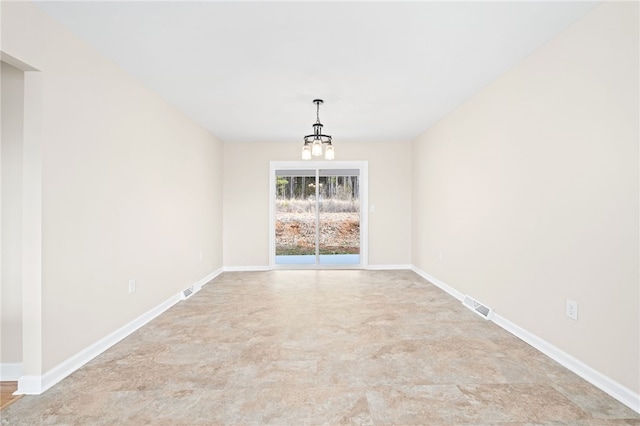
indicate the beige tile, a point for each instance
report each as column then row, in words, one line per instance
column 594, row 401
column 321, row 347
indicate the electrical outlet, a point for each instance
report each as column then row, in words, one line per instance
column 132, row 286
column 572, row 309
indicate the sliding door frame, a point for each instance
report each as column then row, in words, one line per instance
column 363, row 182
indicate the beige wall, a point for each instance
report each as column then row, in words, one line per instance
column 246, row 199
column 12, row 96
column 530, row 193
column 523, row 197
column 131, row 188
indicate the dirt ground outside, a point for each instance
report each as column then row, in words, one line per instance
column 339, row 233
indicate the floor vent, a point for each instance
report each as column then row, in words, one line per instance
column 187, row 292
column 477, row 307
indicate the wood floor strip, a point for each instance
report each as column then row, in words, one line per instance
column 6, row 394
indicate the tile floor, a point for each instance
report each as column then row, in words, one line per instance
column 321, row 347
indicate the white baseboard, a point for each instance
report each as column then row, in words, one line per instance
column 599, row 380
column 246, row 268
column 268, row 268
column 10, row 371
column 204, row 281
column 453, row 292
column 386, row 267
column 197, row 286
column 29, row 385
column 35, row 385
column 61, row 371
column 604, row 383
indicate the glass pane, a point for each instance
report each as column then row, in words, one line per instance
column 339, row 204
column 295, row 218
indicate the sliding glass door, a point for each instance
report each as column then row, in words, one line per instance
column 338, row 217
column 317, row 218
column 296, row 214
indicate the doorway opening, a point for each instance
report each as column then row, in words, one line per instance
column 11, row 200
column 21, row 357
column 318, row 215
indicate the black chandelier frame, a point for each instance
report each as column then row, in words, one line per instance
column 317, row 135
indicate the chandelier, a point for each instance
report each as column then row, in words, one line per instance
column 313, row 143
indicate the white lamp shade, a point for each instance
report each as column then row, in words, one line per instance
column 316, row 148
column 328, row 153
column 306, row 152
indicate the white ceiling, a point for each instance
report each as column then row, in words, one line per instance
column 248, row 71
